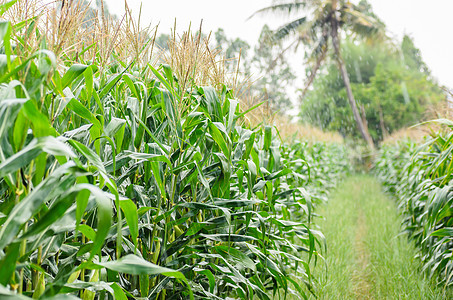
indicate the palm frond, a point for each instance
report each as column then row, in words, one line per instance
column 282, row 8
column 361, row 23
column 320, row 46
column 289, row 28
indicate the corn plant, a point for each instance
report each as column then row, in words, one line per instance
column 322, row 164
column 115, row 184
column 420, row 175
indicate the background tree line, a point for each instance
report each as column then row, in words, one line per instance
column 388, row 81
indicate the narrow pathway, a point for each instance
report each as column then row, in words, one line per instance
column 367, row 258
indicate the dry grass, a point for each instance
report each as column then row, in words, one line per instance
column 288, row 128
column 416, row 134
column 291, row 130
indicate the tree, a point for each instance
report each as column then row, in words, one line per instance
column 272, row 77
column 394, row 92
column 162, row 41
column 412, row 55
column 320, row 24
column 94, row 11
column 233, row 49
column 275, row 75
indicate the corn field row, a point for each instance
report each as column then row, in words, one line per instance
column 116, row 182
column 420, row 178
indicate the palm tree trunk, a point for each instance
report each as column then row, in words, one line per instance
column 344, row 74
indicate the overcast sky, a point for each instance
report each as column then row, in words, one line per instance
column 429, row 22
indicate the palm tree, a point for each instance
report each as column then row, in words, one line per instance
column 319, row 24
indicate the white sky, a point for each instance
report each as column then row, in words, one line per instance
column 428, row 22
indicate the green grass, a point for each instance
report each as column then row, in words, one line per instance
column 367, row 258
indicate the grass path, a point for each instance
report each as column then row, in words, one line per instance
column 366, row 257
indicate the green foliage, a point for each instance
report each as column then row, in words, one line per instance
column 116, row 183
column 270, row 70
column 276, row 73
column 232, row 50
column 420, row 178
column 162, row 41
column 318, row 26
column 412, row 56
column 392, row 94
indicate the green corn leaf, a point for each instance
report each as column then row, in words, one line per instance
column 132, row 88
column 443, row 232
column 228, row 237
column 40, row 123
column 72, row 73
column 55, row 184
column 104, row 216
column 77, row 107
column 132, row 264
column 130, row 212
column 219, row 138
column 87, row 231
column 22, row 158
column 118, row 292
column 8, row 263
column 5, row 6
